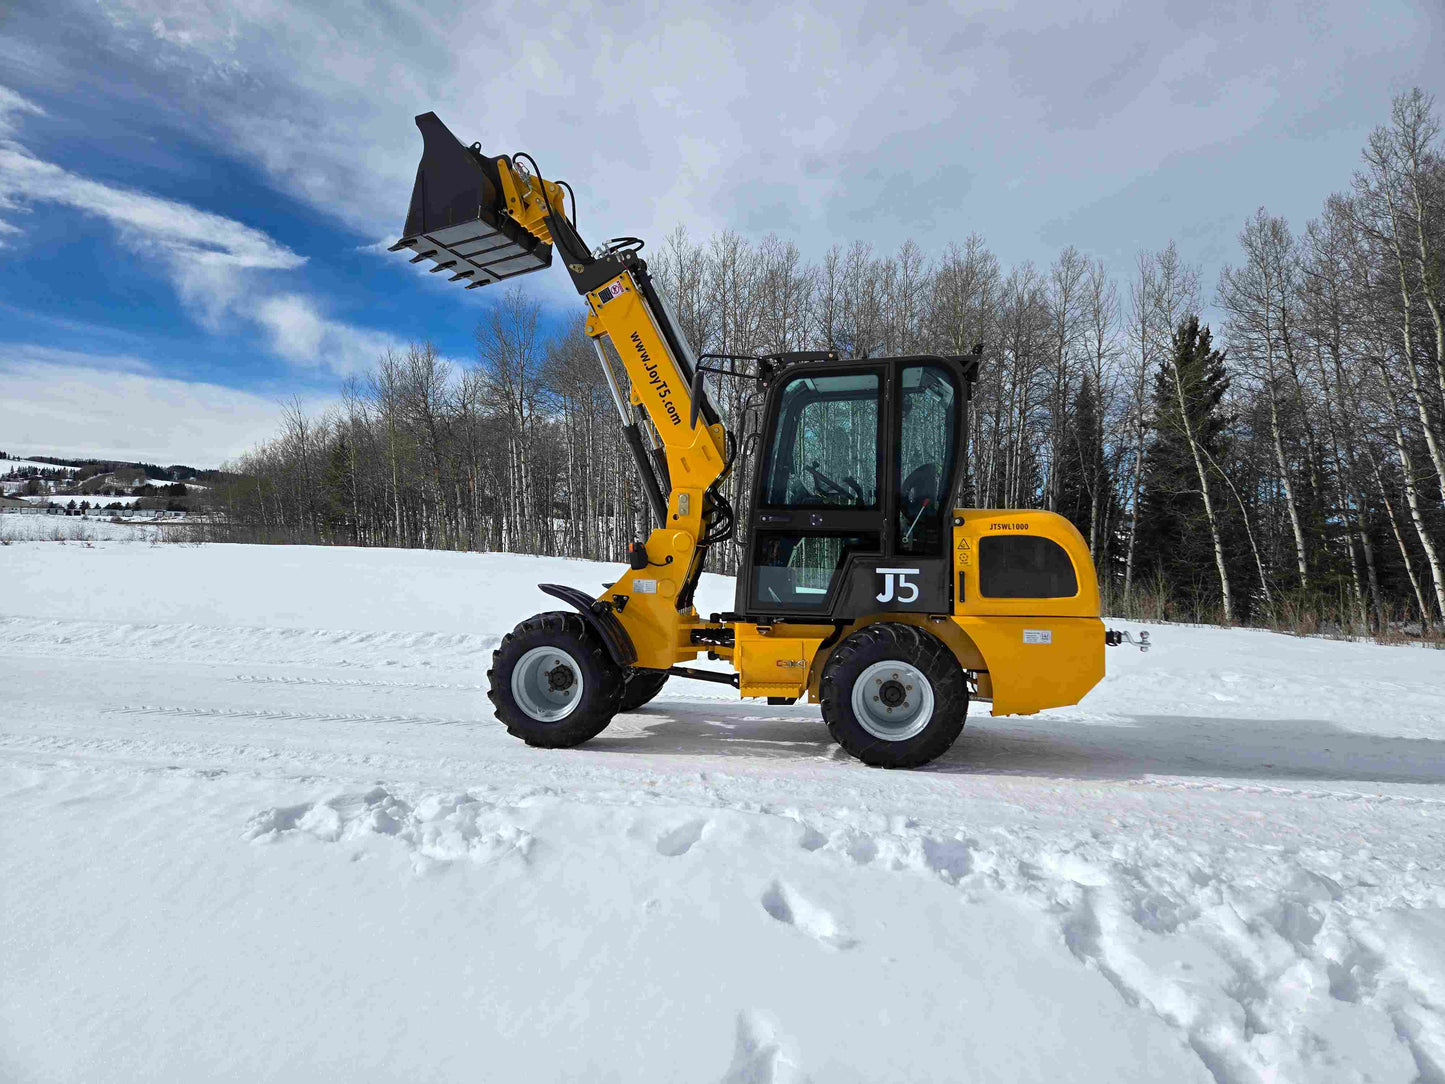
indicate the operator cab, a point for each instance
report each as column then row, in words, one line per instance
column 850, row 503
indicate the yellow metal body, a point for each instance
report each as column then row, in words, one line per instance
column 528, row 198
column 1025, row 654
column 1054, row 666
column 1027, row 675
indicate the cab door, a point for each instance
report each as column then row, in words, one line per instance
column 817, row 498
column 849, row 514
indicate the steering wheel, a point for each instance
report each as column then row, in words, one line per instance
column 821, row 480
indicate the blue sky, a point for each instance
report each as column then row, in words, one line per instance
column 192, row 192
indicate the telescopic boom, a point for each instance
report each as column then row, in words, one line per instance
column 484, row 219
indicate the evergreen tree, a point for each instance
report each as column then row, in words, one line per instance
column 1174, row 531
column 1086, row 489
column 337, row 493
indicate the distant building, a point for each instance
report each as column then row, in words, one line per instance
column 120, row 480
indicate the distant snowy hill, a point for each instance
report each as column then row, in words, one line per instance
column 260, row 823
column 11, row 466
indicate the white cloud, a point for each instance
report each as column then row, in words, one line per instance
column 176, row 230
column 301, row 334
column 11, row 106
column 826, row 122
column 215, row 263
column 203, row 253
column 67, row 404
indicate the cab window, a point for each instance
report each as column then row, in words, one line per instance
column 928, row 425
column 796, row 571
column 1024, row 566
column 824, row 452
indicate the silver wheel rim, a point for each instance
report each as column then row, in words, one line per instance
column 892, row 700
column 547, row 684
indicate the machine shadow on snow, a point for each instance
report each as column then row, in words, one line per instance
column 721, row 729
column 1134, row 747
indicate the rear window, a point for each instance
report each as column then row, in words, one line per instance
column 1024, row 566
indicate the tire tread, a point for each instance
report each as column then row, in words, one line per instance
column 640, row 688
column 885, row 640
column 558, row 627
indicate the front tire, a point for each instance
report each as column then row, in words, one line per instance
column 552, row 682
column 894, row 696
column 641, row 686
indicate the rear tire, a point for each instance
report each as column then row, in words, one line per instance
column 641, row 686
column 552, row 682
column 894, row 696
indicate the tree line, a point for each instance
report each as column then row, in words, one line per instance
column 1286, row 466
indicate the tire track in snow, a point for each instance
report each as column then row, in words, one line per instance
column 685, row 694
column 267, row 715
column 241, row 645
column 376, row 683
column 1282, row 792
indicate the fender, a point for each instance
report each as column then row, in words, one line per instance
column 948, row 629
column 602, row 620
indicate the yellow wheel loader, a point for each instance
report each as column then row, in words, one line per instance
column 868, row 584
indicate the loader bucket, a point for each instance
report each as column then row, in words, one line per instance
column 458, row 217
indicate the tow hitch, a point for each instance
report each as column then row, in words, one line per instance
column 1113, row 638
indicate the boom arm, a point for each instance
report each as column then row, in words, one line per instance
column 486, row 219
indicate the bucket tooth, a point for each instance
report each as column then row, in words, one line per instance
column 458, row 215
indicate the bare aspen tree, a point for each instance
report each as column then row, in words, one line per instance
column 510, row 357
column 1065, row 293
column 962, row 313
column 1399, row 536
column 1382, row 209
column 1415, row 135
column 1256, row 298
column 1143, row 309
column 1333, row 279
column 1100, row 319
column 906, row 299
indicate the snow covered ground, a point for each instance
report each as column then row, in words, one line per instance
column 259, row 823
column 96, row 527
column 93, row 499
